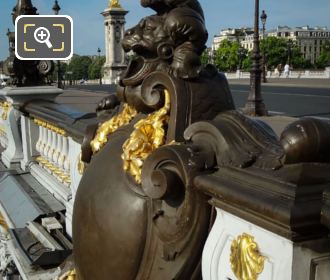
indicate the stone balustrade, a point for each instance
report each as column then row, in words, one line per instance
column 53, row 147
column 303, row 74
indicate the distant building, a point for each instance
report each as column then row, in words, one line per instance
column 308, row 39
column 232, row 35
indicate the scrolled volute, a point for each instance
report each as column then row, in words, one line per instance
column 238, row 141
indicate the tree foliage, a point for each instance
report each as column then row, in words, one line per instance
column 226, row 56
column 95, row 68
column 324, row 59
column 205, row 57
column 229, row 55
column 79, row 66
column 282, row 51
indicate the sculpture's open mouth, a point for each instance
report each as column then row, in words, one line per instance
column 137, row 70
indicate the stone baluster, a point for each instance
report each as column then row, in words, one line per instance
column 39, row 142
column 44, row 140
column 52, row 146
column 48, row 141
column 66, row 164
column 58, row 149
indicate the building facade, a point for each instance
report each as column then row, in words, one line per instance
column 308, row 39
column 232, row 35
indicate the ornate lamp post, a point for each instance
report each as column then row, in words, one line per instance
column 99, row 53
column 255, row 105
column 56, row 8
column 263, row 18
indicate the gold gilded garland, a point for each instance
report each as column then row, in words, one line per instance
column 149, row 134
column 50, row 127
column 70, row 275
column 5, row 109
column 110, row 126
column 245, row 259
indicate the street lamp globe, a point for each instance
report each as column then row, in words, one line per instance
column 56, row 8
column 263, row 17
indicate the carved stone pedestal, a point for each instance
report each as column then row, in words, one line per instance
column 284, row 259
column 267, row 226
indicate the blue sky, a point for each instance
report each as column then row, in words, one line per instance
column 88, row 22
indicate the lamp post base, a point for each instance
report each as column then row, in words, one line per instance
column 255, row 108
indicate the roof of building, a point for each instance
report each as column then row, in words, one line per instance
column 285, row 28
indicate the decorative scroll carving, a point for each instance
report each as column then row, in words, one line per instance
column 245, row 259
column 238, row 141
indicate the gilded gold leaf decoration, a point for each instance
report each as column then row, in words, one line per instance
column 5, row 109
column 3, row 222
column 110, row 126
column 114, row 4
column 149, row 134
column 245, row 259
column 50, row 127
column 70, row 275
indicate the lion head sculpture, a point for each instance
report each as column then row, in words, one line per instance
column 172, row 40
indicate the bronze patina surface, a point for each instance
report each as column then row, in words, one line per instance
column 25, row 73
column 142, row 209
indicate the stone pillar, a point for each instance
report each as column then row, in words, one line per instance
column 114, row 22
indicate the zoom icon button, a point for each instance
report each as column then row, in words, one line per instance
column 43, row 37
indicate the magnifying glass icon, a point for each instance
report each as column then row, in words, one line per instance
column 42, row 35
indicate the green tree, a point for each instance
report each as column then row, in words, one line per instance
column 278, row 51
column 79, row 66
column 205, row 57
column 247, row 62
column 95, row 68
column 226, row 56
column 63, row 67
column 324, row 59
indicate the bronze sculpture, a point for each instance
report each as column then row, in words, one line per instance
column 140, row 211
column 25, row 73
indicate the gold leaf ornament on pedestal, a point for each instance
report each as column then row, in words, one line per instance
column 245, row 259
